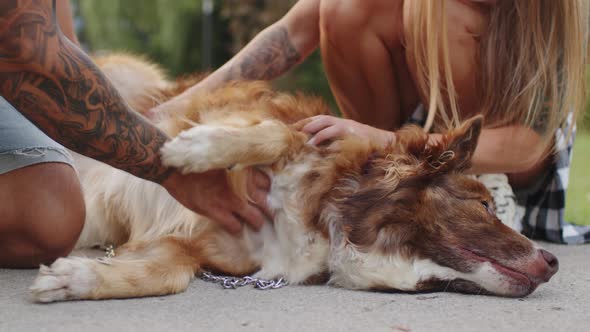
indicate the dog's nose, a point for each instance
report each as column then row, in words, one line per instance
column 542, row 267
column 552, row 263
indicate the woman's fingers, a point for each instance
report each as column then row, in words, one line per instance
column 318, row 123
column 325, row 127
column 329, row 133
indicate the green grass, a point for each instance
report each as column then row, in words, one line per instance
column 578, row 195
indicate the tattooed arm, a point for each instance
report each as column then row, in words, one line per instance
column 55, row 85
column 276, row 49
column 271, row 53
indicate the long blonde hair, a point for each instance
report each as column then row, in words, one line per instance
column 532, row 56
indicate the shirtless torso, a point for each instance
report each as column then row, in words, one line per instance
column 384, row 62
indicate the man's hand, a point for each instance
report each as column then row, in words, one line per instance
column 210, row 195
column 330, row 128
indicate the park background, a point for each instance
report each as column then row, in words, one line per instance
column 186, row 36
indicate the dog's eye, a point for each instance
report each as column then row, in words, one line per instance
column 488, row 207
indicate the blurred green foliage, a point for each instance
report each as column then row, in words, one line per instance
column 578, row 195
column 170, row 34
column 584, row 120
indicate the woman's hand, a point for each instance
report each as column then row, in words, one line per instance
column 325, row 128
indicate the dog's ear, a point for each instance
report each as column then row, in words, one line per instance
column 456, row 148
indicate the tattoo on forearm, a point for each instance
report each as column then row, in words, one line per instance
column 266, row 59
column 56, row 86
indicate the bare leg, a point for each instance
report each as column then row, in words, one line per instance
column 357, row 41
column 42, row 213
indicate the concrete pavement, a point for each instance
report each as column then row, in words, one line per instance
column 561, row 305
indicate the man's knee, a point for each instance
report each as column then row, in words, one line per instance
column 48, row 209
column 58, row 238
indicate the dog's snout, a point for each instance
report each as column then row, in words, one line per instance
column 551, row 261
column 542, row 266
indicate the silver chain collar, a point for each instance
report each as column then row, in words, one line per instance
column 226, row 282
column 229, row 282
column 109, row 251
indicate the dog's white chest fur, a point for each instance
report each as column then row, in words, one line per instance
column 290, row 249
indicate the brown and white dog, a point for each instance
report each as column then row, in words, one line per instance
column 401, row 218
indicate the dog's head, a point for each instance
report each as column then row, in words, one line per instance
column 412, row 222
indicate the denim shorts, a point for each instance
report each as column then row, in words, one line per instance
column 22, row 144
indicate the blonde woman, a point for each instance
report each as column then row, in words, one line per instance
column 520, row 63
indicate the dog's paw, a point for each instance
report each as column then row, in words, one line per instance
column 66, row 279
column 268, row 274
column 197, row 150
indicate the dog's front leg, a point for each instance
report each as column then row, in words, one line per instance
column 160, row 267
column 206, row 147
